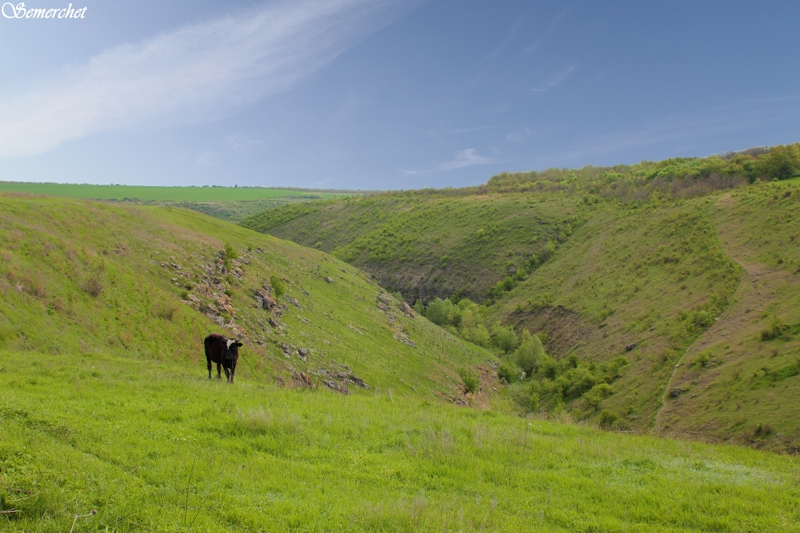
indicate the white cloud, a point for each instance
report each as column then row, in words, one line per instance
column 243, row 143
column 520, row 135
column 206, row 159
column 554, row 80
column 466, row 158
column 196, row 73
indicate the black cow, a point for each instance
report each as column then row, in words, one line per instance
column 224, row 352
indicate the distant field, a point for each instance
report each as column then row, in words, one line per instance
column 162, row 194
column 227, row 203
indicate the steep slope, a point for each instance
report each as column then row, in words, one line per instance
column 640, row 283
column 738, row 381
column 430, row 244
column 151, row 283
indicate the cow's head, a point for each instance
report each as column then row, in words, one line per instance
column 233, row 349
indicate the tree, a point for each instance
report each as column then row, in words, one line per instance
column 437, row 311
column 530, row 353
column 505, row 338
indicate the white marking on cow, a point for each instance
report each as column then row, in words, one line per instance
column 230, row 341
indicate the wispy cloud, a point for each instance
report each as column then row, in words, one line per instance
column 746, row 115
column 554, row 80
column 243, row 143
column 520, row 135
column 466, row 158
column 206, row 159
column 196, row 73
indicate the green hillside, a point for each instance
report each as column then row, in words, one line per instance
column 151, row 283
column 348, row 412
column 429, row 245
column 623, row 272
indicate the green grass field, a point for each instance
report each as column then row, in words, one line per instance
column 227, row 203
column 159, row 194
column 156, row 446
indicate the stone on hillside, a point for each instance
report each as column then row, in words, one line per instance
column 329, row 279
column 630, row 347
column 336, row 386
column 303, row 380
column 292, row 301
column 407, row 309
column 402, row 337
column 302, row 353
column 264, row 300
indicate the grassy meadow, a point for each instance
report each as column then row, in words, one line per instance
column 156, row 446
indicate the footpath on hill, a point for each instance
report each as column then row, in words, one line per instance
column 715, row 392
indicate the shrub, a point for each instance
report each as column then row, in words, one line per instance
column 470, row 380
column 277, row 286
column 93, row 284
column 607, row 419
column 776, row 329
column 597, row 394
column 505, row 338
column 527, row 396
column 508, row 372
column 230, row 252
column 550, row 367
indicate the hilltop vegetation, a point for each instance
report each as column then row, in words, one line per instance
column 619, row 271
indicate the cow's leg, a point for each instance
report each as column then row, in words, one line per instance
column 227, row 375
column 208, row 360
column 219, row 371
column 233, row 370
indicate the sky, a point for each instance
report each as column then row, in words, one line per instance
column 385, row 94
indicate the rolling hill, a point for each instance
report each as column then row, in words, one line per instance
column 347, row 413
column 644, row 267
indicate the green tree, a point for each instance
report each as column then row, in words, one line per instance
column 505, row 338
column 530, row 353
column 437, row 311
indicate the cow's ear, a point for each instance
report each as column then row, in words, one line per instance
column 239, row 344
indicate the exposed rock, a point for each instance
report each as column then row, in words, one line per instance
column 303, row 380
column 286, row 349
column 348, row 326
column 274, row 323
column 302, row 353
column 407, row 309
column 402, row 337
column 335, row 386
column 292, row 301
column 674, row 393
column 630, row 347
column 329, row 279
column 264, row 301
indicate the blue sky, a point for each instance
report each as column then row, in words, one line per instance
column 382, row 94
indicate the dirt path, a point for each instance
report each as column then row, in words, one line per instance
column 730, row 340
